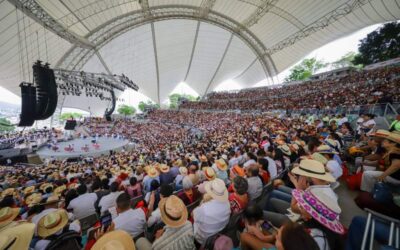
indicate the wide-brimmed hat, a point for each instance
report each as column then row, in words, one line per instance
column 173, row 211
column 203, row 158
column 320, row 158
column 52, row 199
column 221, row 164
column 209, row 173
column 164, row 168
column 285, row 149
column 331, row 143
column 321, row 207
column 29, row 190
column 52, row 222
column 58, row 190
column 178, row 163
column 17, row 237
column 217, row 189
column 152, row 172
column 115, row 240
column 380, row 133
column 8, row 191
column 238, row 171
column 33, row 199
column 325, row 149
column 314, row 169
column 44, row 186
column 183, row 171
column 391, row 136
column 7, row 215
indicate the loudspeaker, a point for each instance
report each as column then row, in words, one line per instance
column 28, row 107
column 70, row 125
column 46, row 89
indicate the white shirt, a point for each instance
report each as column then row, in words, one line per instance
column 320, row 239
column 132, row 221
column 255, row 187
column 273, row 171
column 210, row 218
column 83, row 205
column 334, row 168
column 342, row 120
column 154, row 218
column 108, row 201
column 369, row 123
column 42, row 244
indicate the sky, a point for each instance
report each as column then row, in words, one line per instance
column 327, row 53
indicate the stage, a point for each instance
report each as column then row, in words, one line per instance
column 82, row 147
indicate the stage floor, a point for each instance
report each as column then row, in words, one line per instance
column 105, row 145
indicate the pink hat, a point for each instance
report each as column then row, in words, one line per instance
column 321, row 207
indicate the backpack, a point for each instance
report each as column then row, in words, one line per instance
column 68, row 240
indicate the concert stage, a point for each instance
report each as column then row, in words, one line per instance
column 82, row 147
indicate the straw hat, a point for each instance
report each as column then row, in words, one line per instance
column 115, row 240
column 52, row 199
column 17, row 237
column 58, row 190
column 152, row 172
column 325, row 149
column 8, row 191
column 319, row 157
column 221, row 164
column 44, row 186
column 178, row 163
column 203, row 158
column 7, row 215
column 52, row 223
column 314, row 169
column 321, row 207
column 331, row 143
column 164, row 168
column 209, row 173
column 285, row 149
column 217, row 189
column 380, row 133
column 33, row 199
column 183, row 171
column 391, row 136
column 29, row 190
column 173, row 211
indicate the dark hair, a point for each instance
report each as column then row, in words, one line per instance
column 133, row 181
column 251, row 156
column 96, row 184
column 313, row 143
column 253, row 169
column 241, row 185
column 36, row 209
column 70, row 195
column 154, row 185
column 48, row 189
column 166, row 190
column 252, row 214
column 123, row 201
column 114, row 187
column 81, row 189
column 295, row 237
column 104, row 184
column 264, row 163
column 8, row 201
column 335, row 240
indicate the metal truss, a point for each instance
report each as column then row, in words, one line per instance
column 205, row 7
column 259, row 13
column 36, row 12
column 77, row 56
column 320, row 24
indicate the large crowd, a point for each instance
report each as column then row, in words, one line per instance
column 204, row 180
column 357, row 88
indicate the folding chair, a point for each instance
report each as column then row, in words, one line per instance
column 135, row 200
column 394, row 234
column 88, row 221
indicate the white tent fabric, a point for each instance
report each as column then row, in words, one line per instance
column 160, row 43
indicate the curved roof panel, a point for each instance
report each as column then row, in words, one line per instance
column 160, row 43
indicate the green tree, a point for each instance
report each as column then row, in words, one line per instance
column 344, row 61
column 68, row 115
column 380, row 45
column 174, row 99
column 143, row 105
column 305, row 69
column 5, row 125
column 126, row 110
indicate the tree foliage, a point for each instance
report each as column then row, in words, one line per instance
column 149, row 104
column 5, row 125
column 380, row 45
column 305, row 69
column 126, row 110
column 68, row 115
column 345, row 61
column 176, row 98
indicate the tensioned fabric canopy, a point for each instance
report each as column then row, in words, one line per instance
column 160, row 43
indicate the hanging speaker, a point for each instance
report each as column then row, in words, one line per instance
column 28, row 106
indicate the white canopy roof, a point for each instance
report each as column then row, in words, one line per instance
column 160, row 43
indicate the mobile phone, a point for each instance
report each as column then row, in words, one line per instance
column 105, row 221
column 265, row 226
